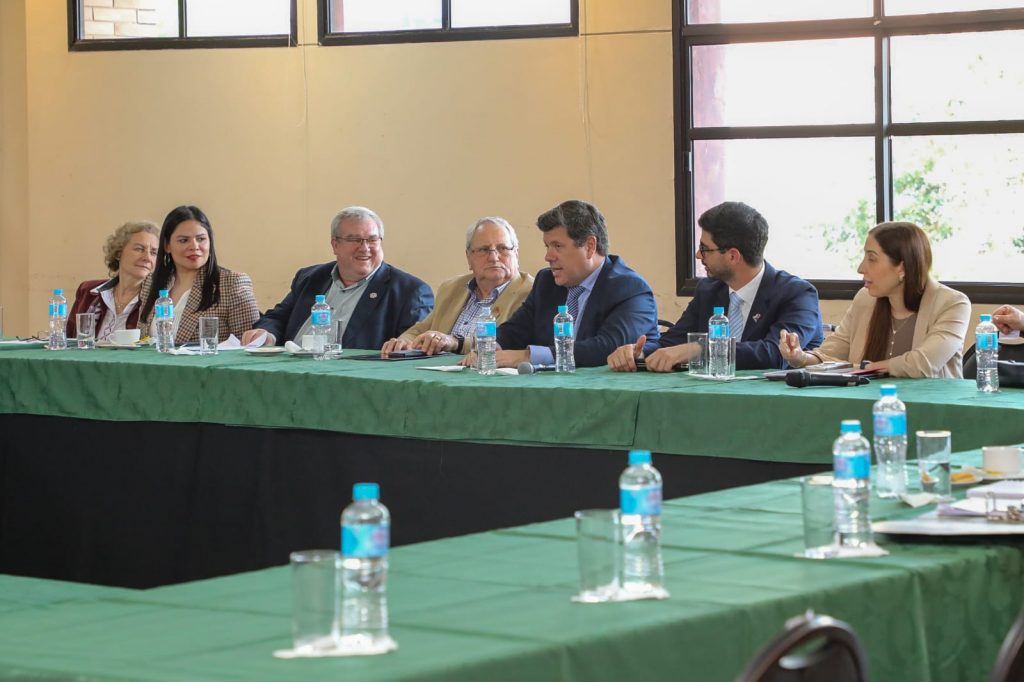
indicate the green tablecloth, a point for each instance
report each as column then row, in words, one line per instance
column 669, row 413
column 495, row 606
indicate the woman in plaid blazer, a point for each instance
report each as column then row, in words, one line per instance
column 187, row 266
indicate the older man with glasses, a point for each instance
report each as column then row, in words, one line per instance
column 492, row 253
column 759, row 300
column 373, row 301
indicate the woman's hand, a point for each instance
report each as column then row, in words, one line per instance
column 789, row 346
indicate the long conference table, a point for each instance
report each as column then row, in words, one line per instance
column 495, row 606
column 136, row 469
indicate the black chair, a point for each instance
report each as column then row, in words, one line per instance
column 664, row 325
column 811, row 649
column 1010, row 661
column 1011, row 357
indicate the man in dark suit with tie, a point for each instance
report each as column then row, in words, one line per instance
column 610, row 303
column 373, row 300
column 759, row 300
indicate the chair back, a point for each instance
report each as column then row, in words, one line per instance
column 1010, row 661
column 811, row 649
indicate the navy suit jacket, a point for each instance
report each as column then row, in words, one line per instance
column 620, row 308
column 783, row 301
column 393, row 301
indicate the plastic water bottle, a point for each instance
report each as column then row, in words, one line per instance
column 365, row 537
column 721, row 364
column 58, row 336
column 851, row 486
column 890, row 419
column 565, row 338
column 640, row 507
column 485, row 331
column 320, row 316
column 163, row 322
column 986, row 347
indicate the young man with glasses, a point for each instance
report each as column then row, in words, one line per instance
column 374, row 301
column 759, row 300
column 494, row 280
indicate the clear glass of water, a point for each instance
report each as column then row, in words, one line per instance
column 600, row 554
column 818, row 505
column 209, row 335
column 332, row 345
column 933, row 450
column 85, row 326
column 316, row 591
column 698, row 362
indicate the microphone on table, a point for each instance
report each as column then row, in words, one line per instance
column 529, row 368
column 801, row 378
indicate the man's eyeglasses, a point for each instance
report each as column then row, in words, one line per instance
column 705, row 250
column 359, row 241
column 500, row 249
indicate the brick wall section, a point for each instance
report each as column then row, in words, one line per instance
column 105, row 19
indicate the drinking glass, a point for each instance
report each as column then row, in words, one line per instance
column 933, row 449
column 818, row 506
column 600, row 554
column 209, row 335
column 698, row 363
column 85, row 326
column 316, row 578
column 332, row 345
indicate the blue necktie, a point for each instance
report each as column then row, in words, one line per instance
column 573, row 301
column 736, row 317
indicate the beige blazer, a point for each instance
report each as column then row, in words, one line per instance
column 451, row 298
column 237, row 309
column 939, row 331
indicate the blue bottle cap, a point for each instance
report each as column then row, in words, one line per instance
column 321, row 298
column 719, row 310
column 639, row 457
column 563, row 309
column 164, row 293
column 850, row 426
column 887, row 389
column 986, row 318
column 365, row 491
column 58, row 292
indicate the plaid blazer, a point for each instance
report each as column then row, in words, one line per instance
column 237, row 308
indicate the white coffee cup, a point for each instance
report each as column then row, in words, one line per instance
column 1001, row 459
column 125, row 337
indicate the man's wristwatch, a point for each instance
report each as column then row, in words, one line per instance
column 459, row 342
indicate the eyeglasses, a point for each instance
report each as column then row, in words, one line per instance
column 705, row 250
column 500, row 249
column 359, row 241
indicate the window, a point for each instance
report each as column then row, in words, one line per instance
column 373, row 21
column 155, row 24
column 829, row 117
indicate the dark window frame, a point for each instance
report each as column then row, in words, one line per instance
column 78, row 44
column 878, row 27
column 446, row 33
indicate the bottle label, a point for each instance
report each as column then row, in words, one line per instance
column 168, row 310
column 486, row 329
column 366, row 540
column 60, row 309
column 321, row 318
column 718, row 331
column 986, row 341
column 563, row 329
column 890, row 424
column 645, row 501
column 854, row 465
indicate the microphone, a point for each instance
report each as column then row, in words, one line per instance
column 528, row 368
column 801, row 378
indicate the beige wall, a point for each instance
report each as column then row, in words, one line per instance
column 271, row 142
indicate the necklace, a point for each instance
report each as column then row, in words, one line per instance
column 896, row 329
column 121, row 302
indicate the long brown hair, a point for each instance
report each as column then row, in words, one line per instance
column 904, row 243
column 210, row 293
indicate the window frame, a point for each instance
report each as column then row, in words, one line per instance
column 446, row 33
column 877, row 26
column 77, row 44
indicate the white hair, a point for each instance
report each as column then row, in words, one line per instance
column 495, row 220
column 360, row 212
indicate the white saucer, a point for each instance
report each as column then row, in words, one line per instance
column 989, row 476
column 265, row 350
column 125, row 346
column 303, row 354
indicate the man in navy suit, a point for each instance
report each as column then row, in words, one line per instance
column 612, row 303
column 373, row 300
column 759, row 300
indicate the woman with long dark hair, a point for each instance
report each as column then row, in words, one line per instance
column 186, row 265
column 903, row 322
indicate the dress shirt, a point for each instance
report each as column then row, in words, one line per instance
column 342, row 299
column 464, row 325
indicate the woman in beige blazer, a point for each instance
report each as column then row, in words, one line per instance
column 903, row 322
column 492, row 253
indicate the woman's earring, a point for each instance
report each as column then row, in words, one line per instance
column 167, row 261
column 901, row 278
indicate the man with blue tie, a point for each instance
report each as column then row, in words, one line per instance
column 610, row 303
column 760, row 300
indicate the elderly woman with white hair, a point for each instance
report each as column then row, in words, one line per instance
column 492, row 253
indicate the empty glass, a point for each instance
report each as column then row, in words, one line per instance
column 818, row 510
column 600, row 554
column 698, row 363
column 933, row 450
column 316, row 575
column 85, row 327
column 209, row 335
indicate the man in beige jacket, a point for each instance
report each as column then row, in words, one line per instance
column 492, row 252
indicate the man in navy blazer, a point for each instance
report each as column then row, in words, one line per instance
column 375, row 301
column 613, row 304
column 759, row 299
